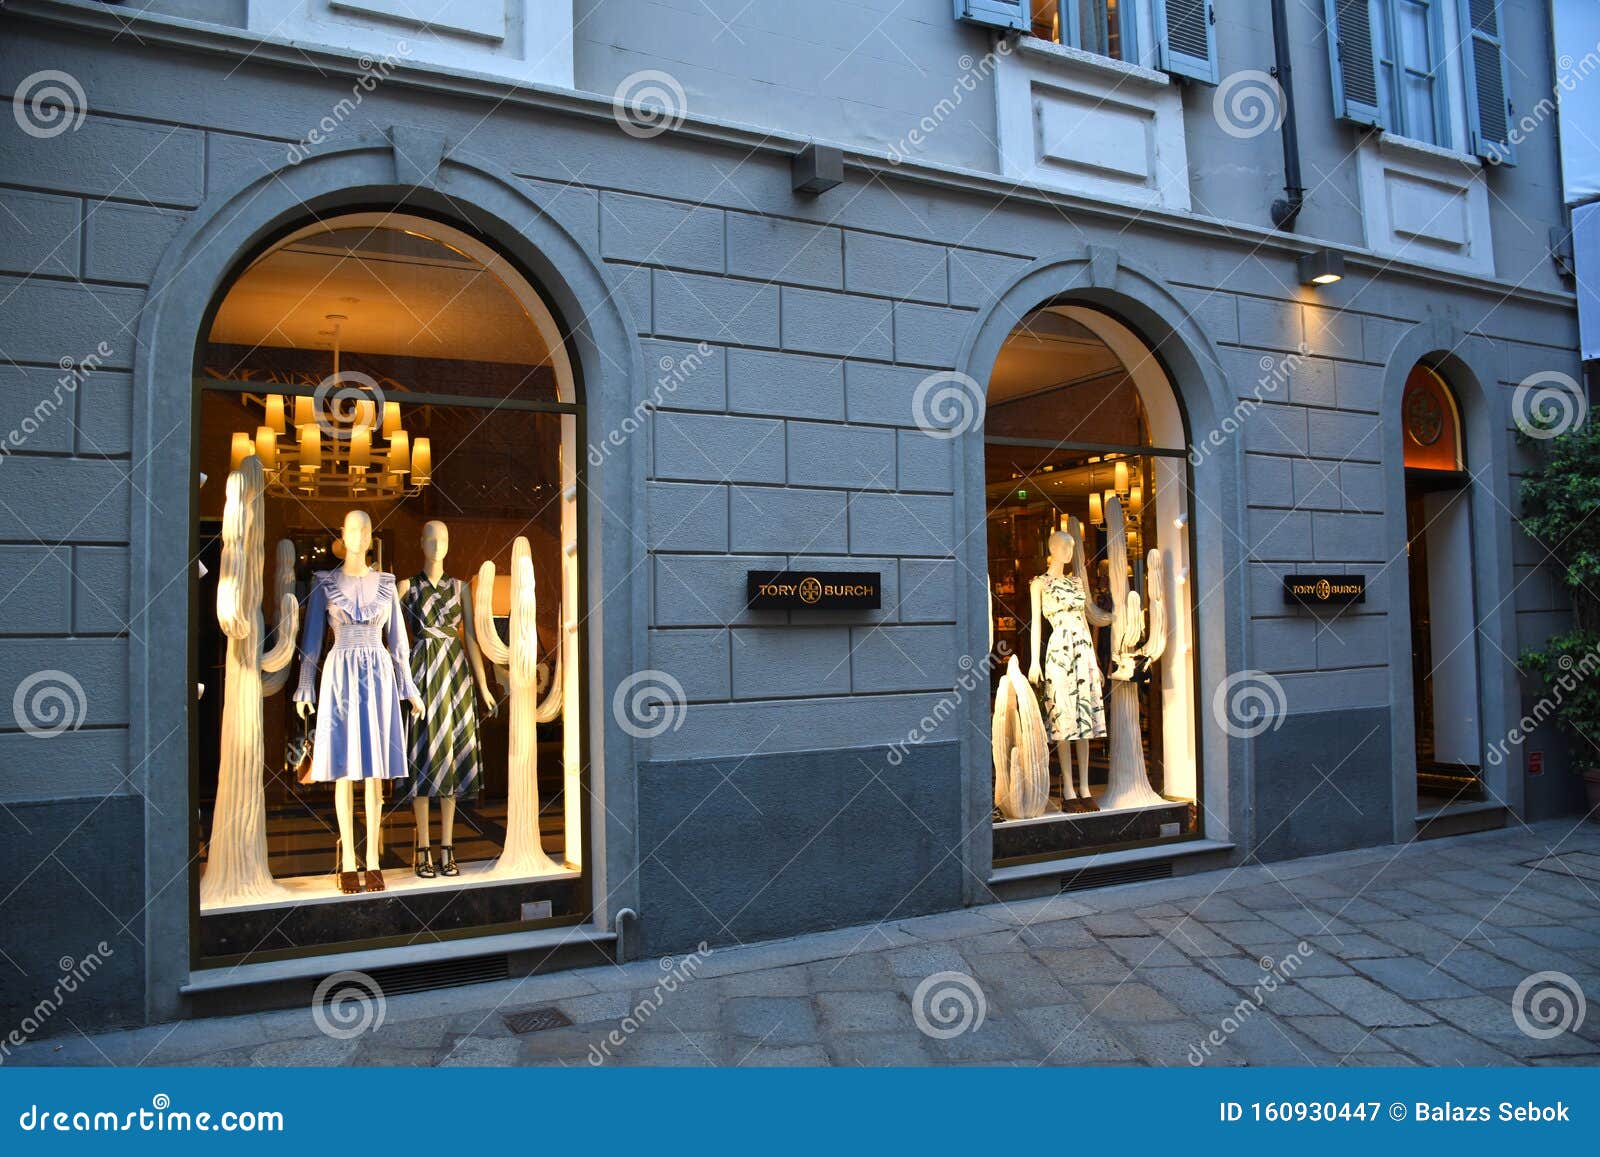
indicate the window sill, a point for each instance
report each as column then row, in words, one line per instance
column 1118, row 70
column 1420, row 152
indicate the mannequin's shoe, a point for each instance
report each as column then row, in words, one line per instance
column 349, row 882
column 372, row 880
column 424, row 864
column 447, row 861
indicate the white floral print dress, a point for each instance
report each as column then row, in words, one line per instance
column 1074, row 689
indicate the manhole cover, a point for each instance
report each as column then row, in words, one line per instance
column 536, row 1020
column 1584, row 865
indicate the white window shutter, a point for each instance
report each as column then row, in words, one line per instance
column 1483, row 63
column 1008, row 14
column 1186, row 41
column 1354, row 60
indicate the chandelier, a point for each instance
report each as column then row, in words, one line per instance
column 345, row 441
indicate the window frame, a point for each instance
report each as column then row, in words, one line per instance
column 1071, row 23
column 1392, row 69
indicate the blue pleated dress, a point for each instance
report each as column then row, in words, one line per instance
column 365, row 677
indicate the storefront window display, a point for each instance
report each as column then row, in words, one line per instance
column 1088, row 524
column 388, row 723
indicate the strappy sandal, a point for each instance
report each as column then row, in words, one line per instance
column 424, row 863
column 373, row 880
column 447, row 861
column 349, row 882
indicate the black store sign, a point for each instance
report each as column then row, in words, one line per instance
column 1320, row 590
column 784, row 590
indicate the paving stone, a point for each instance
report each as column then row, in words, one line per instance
column 1017, row 980
column 1479, row 969
column 1191, row 937
column 1213, row 909
column 1265, row 1040
column 601, row 1006
column 227, row 1059
column 879, row 1049
column 1339, row 1034
column 393, row 1056
column 1567, row 936
column 696, row 1007
column 998, row 1038
column 313, row 1052
column 673, row 1049
column 795, row 1056
column 1069, row 1037
column 1443, row 1044
column 1178, row 1044
column 882, row 1011
column 1354, row 946
column 925, row 959
column 862, row 971
column 1192, row 988
column 413, row 1034
column 1103, row 924
column 792, row 981
column 775, row 1020
column 1057, row 934
column 1131, row 1002
column 1384, row 1060
column 482, row 1052
column 579, row 1044
column 1072, row 966
column 1307, row 922
column 1257, row 937
column 1364, row 1001
column 1416, row 938
column 1143, row 952
column 1413, row 979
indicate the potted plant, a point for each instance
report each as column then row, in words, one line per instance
column 1560, row 502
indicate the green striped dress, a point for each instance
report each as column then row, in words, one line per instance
column 443, row 752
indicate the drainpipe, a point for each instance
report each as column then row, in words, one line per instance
column 1286, row 208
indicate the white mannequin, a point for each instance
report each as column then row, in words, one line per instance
column 357, row 539
column 1066, row 549
column 435, row 546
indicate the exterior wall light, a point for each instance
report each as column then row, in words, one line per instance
column 1321, row 267
column 816, row 169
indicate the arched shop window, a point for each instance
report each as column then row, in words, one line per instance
column 1087, row 491
column 1444, row 658
column 386, row 465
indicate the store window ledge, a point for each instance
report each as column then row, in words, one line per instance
column 208, row 982
column 1086, row 124
column 1125, row 857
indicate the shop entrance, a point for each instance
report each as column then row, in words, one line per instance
column 1444, row 663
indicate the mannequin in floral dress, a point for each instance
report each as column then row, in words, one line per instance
column 1074, row 689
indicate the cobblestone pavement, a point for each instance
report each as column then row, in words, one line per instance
column 1389, row 956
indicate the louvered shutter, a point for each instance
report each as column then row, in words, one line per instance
column 1483, row 63
column 1185, row 39
column 1354, row 60
column 994, row 13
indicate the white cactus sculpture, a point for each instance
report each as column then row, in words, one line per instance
column 237, row 870
column 1134, row 650
column 1021, row 749
column 523, row 854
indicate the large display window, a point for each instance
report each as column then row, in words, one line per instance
column 388, row 724
column 1087, row 494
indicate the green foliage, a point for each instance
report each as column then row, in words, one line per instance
column 1561, row 512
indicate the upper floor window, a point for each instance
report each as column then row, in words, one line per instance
column 1430, row 70
column 1103, row 27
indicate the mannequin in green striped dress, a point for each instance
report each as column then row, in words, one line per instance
column 446, row 664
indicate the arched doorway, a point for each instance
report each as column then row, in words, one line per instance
column 1087, row 499
column 1441, row 577
column 392, row 372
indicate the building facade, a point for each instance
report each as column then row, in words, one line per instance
column 1058, row 366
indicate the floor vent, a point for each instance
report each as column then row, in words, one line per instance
column 536, row 1019
column 1116, row 874
column 442, row 974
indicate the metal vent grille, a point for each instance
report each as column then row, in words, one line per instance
column 443, row 974
column 536, row 1020
column 1116, row 874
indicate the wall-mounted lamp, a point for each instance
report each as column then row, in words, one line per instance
column 1321, row 267
column 816, row 169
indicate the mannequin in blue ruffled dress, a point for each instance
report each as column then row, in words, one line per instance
column 368, row 671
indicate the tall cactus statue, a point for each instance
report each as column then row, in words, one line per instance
column 1134, row 650
column 237, row 870
column 523, row 854
column 1021, row 748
